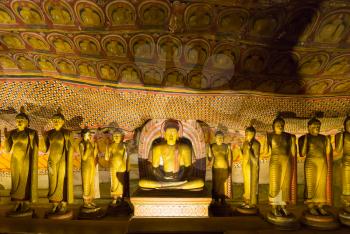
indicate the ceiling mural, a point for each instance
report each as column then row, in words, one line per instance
column 286, row 48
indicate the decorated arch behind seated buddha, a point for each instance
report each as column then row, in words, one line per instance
column 190, row 132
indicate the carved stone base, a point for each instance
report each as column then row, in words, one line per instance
column 283, row 222
column 26, row 214
column 121, row 208
column 319, row 222
column 247, row 211
column 344, row 217
column 171, row 203
column 68, row 215
column 91, row 213
column 220, row 210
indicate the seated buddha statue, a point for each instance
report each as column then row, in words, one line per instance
column 171, row 163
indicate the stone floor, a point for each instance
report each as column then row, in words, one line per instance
column 132, row 225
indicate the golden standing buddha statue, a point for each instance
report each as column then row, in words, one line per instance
column 250, row 151
column 118, row 165
column 88, row 152
column 221, row 155
column 342, row 146
column 282, row 148
column 60, row 167
column 177, row 168
column 23, row 143
column 317, row 150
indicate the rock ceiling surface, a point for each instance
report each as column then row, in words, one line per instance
column 274, row 46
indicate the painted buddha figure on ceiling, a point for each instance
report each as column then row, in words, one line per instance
column 60, row 15
column 115, row 48
column 6, row 62
column 122, row 15
column 45, row 65
column 12, row 42
column 333, row 30
column 5, row 18
column 171, row 162
column 62, row 46
column 88, row 47
column 25, row 64
column 90, row 17
column 37, row 43
column 107, row 72
column 30, row 16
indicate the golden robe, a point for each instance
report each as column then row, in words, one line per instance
column 250, row 168
column 24, row 165
column 60, row 168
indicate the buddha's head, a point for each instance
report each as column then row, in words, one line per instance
column 171, row 132
column 278, row 125
column 58, row 121
column 22, row 121
column 86, row 134
column 347, row 124
column 219, row 138
column 118, row 136
column 250, row 133
column 314, row 126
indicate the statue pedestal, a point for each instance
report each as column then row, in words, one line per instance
column 171, row 203
column 287, row 223
column 344, row 217
column 318, row 222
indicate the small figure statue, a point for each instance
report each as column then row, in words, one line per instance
column 23, row 143
column 317, row 150
column 282, row 147
column 220, row 154
column 117, row 157
column 88, row 152
column 250, row 151
column 60, row 168
column 177, row 169
column 342, row 146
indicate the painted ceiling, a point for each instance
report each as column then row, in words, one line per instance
column 121, row 63
column 276, row 46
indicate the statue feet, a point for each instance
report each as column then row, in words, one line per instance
column 90, row 211
column 320, row 219
column 21, row 210
column 344, row 216
column 282, row 218
column 220, row 208
column 59, row 211
column 119, row 207
column 248, row 209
